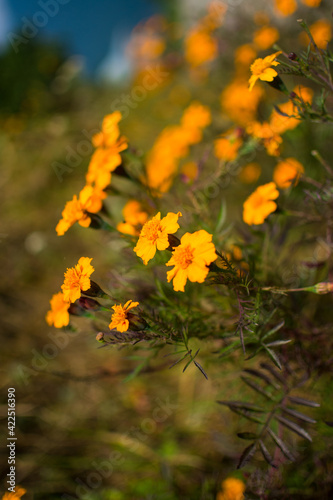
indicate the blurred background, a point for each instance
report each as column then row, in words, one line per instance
column 85, row 427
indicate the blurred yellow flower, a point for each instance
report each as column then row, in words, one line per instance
column 264, row 132
column 200, row 47
column 134, row 217
column 286, row 7
column 58, row 315
column 191, row 259
column 226, row 147
column 232, row 489
column 244, row 56
column 289, row 117
column 189, row 171
column 119, row 318
column 261, row 69
column 311, row 3
column 286, row 172
column 239, row 103
column 76, row 279
column 15, row 495
column 110, row 131
column 259, row 204
column 250, row 173
column 196, row 116
column 154, row 235
column 265, row 37
column 321, row 32
column 90, row 200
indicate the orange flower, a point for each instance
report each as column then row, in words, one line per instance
column 58, row 315
column 311, row 3
column 196, row 116
column 191, row 259
column 244, row 56
column 133, row 216
column 200, row 47
column 154, row 235
column 321, row 32
column 190, row 171
column 232, row 489
column 77, row 279
column 289, row 117
column 16, row 495
column 270, row 139
column 265, row 37
column 261, row 69
column 285, row 7
column 90, row 200
column 110, row 131
column 250, row 173
column 259, row 204
column 286, row 172
column 226, row 147
column 239, row 103
column 119, row 318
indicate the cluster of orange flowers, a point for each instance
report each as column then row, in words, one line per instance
column 200, row 45
column 173, row 144
column 105, row 159
column 16, row 495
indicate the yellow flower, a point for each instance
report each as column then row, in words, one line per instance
column 77, row 279
column 259, row 204
column 191, row 259
column 321, row 32
column 190, row 171
column 239, row 103
column 90, row 200
column 265, row 37
column 154, row 235
column 16, row 495
column 196, row 116
column 226, row 147
column 286, row 172
column 311, row 3
column 119, row 318
column 286, row 7
column 110, row 131
column 261, row 69
column 200, row 47
column 270, row 139
column 232, row 489
column 250, row 173
column 58, row 315
column 134, row 216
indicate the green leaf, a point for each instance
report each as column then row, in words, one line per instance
column 273, row 330
column 293, row 427
column 283, row 447
column 299, row 415
column 247, row 435
column 273, row 356
column 256, row 387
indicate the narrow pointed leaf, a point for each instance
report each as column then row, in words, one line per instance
column 273, row 356
column 256, row 387
column 273, row 330
column 276, row 343
column 201, row 369
column 247, row 435
column 283, row 447
column 304, row 402
column 272, row 370
column 294, row 427
column 230, row 348
column 299, row 415
column 179, row 360
column 266, row 454
column 262, row 376
column 246, row 455
column 252, row 417
column 242, row 405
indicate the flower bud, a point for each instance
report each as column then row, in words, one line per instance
column 98, row 223
column 95, row 291
column 292, row 56
column 89, row 304
column 322, row 288
column 173, row 242
column 278, row 84
column 100, row 337
column 136, row 323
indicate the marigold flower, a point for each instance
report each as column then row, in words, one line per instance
column 200, row 47
column 16, row 495
column 261, row 69
column 270, row 139
column 286, row 172
column 154, row 235
column 58, row 315
column 321, row 32
column 119, row 318
column 286, row 7
column 265, row 37
column 226, row 148
column 134, row 216
column 244, row 56
column 191, row 259
column 259, row 204
column 232, row 489
column 250, row 173
column 76, row 279
column 239, row 103
column 110, row 131
column 196, row 116
column 90, row 200
column 189, row 171
column 289, row 117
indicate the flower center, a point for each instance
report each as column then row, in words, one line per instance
column 119, row 314
column 184, row 256
column 152, row 230
column 259, row 67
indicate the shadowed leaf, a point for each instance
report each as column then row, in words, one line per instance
column 246, row 455
column 242, row 405
column 299, row 415
column 256, row 387
column 273, row 356
column 283, row 447
column 273, row 330
column 201, row 369
column 262, row 376
column 294, row 427
column 304, row 402
column 247, row 435
column 272, row 370
column 266, row 454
